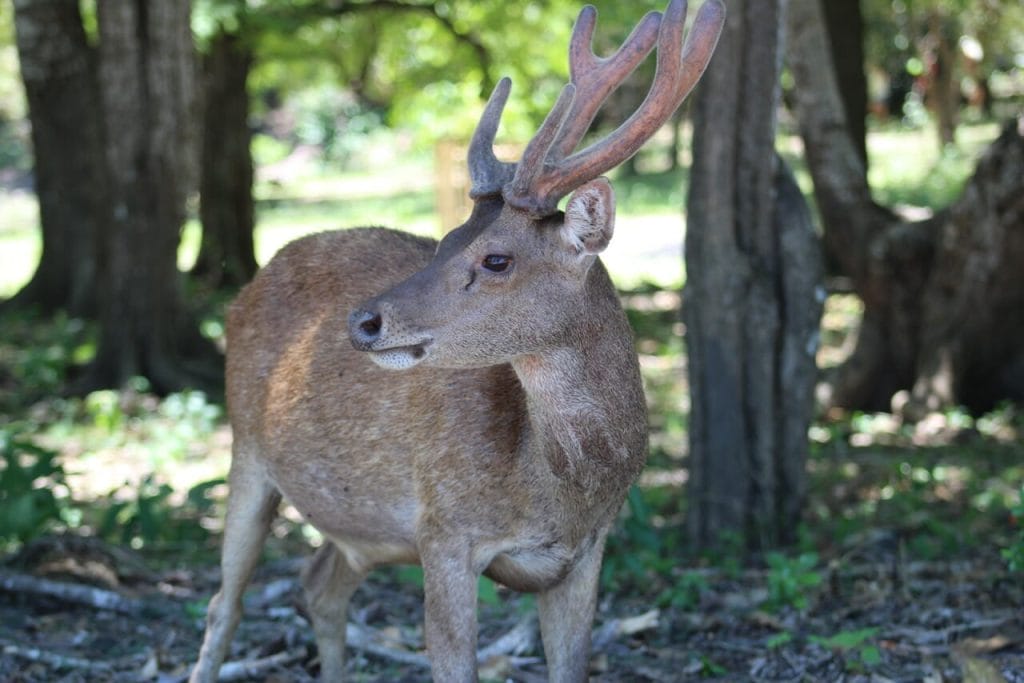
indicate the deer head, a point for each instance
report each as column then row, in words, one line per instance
column 507, row 281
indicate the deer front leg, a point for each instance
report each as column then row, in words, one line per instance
column 252, row 505
column 567, row 615
column 449, row 587
column 329, row 582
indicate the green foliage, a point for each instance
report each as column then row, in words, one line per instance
column 150, row 515
column 1014, row 553
column 640, row 549
column 29, row 479
column 161, row 431
column 338, row 124
column 487, row 591
column 858, row 652
column 684, row 593
column 934, row 184
column 38, row 354
column 779, row 640
column 790, row 578
column 710, row 669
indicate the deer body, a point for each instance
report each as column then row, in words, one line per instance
column 325, row 424
column 474, row 405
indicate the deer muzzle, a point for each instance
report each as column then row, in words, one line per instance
column 390, row 344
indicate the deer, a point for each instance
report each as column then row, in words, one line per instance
column 472, row 405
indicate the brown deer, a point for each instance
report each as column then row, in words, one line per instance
column 474, row 406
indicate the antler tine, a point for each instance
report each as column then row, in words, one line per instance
column 595, row 77
column 487, row 173
column 538, row 186
column 592, row 79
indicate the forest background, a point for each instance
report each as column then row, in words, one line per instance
column 890, row 545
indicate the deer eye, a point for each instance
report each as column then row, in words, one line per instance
column 497, row 263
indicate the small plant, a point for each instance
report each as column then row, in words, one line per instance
column 151, row 517
column 28, row 476
column 1014, row 554
column 790, row 578
column 779, row 640
column 685, row 593
column 640, row 551
column 855, row 647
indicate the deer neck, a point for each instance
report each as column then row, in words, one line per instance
column 586, row 408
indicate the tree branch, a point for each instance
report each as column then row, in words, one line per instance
column 300, row 14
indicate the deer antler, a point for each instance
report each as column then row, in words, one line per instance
column 548, row 169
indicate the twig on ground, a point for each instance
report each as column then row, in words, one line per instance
column 612, row 630
column 51, row 658
column 240, row 670
column 369, row 640
column 944, row 636
column 91, row 596
column 521, row 638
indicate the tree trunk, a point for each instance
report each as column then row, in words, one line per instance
column 845, row 26
column 226, row 257
column 751, row 307
column 147, row 86
column 912, row 276
column 943, row 93
column 972, row 318
column 57, row 67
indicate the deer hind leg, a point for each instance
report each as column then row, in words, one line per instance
column 329, row 582
column 567, row 615
column 252, row 506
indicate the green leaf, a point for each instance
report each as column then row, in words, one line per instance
column 487, row 591
column 871, row 655
column 845, row 640
column 778, row 640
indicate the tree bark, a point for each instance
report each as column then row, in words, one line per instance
column 972, row 317
column 146, row 78
column 845, row 25
column 943, row 93
column 751, row 307
column 226, row 256
column 911, row 275
column 57, row 67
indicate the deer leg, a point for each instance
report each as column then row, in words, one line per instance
column 252, row 505
column 329, row 581
column 450, row 628
column 567, row 615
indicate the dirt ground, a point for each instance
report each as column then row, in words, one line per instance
column 74, row 610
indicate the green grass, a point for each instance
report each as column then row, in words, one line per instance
column 20, row 240
column 907, row 167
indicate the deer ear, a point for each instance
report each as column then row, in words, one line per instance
column 590, row 218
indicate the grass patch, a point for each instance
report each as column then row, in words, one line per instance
column 907, row 167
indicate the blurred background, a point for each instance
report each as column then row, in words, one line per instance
column 840, row 206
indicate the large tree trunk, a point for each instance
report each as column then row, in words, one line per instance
column 57, row 66
column 972, row 317
column 226, row 257
column 845, row 25
column 751, row 307
column 147, row 77
column 909, row 273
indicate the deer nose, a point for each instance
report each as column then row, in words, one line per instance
column 364, row 328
